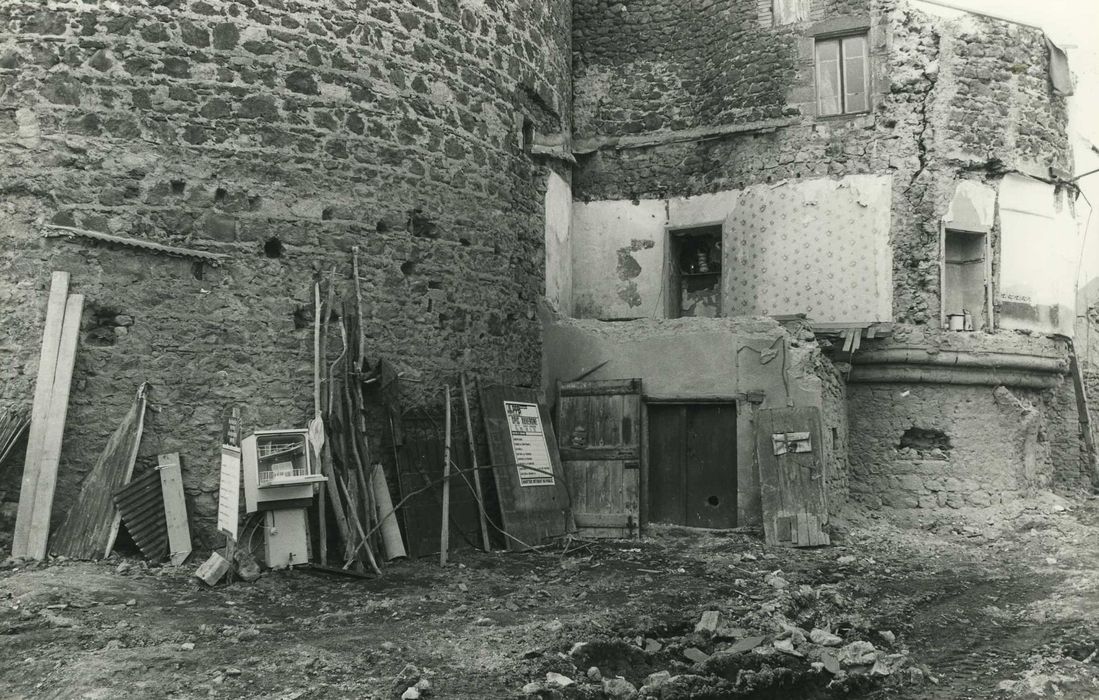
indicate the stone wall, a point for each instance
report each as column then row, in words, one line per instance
column 282, row 134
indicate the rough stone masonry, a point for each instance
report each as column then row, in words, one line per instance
column 281, row 133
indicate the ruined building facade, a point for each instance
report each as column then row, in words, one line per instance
column 714, row 197
column 862, row 168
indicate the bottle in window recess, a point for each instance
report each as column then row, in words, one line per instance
column 703, row 263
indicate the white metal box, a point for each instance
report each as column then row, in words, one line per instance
column 279, row 469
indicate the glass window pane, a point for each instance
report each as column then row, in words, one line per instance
column 856, row 75
column 828, row 78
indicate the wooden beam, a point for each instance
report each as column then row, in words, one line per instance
column 43, row 388
column 476, row 472
column 175, row 508
column 38, row 535
column 444, row 535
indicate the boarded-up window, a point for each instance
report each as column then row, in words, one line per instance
column 843, row 75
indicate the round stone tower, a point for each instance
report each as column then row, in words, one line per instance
column 280, row 134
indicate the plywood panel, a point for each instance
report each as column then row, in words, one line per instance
column 531, row 514
column 711, row 466
column 175, row 507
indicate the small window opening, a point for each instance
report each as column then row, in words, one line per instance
column 925, row 443
column 965, row 281
column 528, row 134
column 695, row 274
column 843, row 75
column 273, row 248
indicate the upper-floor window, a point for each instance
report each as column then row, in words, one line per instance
column 843, row 75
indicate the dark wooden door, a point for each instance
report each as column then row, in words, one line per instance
column 599, row 425
column 692, row 464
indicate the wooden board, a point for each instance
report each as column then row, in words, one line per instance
column 38, row 535
column 793, row 488
column 531, row 514
column 599, row 438
column 86, row 530
column 140, row 505
column 420, row 466
column 175, row 508
column 43, row 389
column 667, row 464
column 711, row 466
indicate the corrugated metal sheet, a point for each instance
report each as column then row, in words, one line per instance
column 141, row 504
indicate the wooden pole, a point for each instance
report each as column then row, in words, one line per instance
column 318, row 362
column 476, row 472
column 444, row 535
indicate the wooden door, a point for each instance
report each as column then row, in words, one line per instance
column 692, row 464
column 791, row 476
column 599, row 427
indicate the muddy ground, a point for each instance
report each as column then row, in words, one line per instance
column 982, row 604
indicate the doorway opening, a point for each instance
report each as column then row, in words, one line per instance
column 692, row 464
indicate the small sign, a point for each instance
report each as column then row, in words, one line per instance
column 528, row 442
column 230, row 428
column 229, row 493
column 791, row 442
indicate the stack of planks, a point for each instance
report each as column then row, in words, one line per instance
column 51, row 401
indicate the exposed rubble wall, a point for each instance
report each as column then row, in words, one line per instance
column 752, row 362
column 978, row 435
column 279, row 134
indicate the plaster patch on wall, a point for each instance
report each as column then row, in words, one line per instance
column 558, row 241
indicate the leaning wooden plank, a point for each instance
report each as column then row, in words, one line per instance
column 87, row 529
column 39, row 532
column 175, row 508
column 534, row 502
column 47, row 362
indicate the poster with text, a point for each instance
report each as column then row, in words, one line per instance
column 528, row 442
column 229, row 494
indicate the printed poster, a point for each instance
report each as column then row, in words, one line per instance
column 528, row 442
column 229, row 493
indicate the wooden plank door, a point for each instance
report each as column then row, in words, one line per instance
column 692, row 464
column 711, row 465
column 599, row 423
column 791, row 476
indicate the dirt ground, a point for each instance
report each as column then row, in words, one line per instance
column 982, row 604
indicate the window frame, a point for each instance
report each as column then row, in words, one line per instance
column 987, row 272
column 838, row 39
